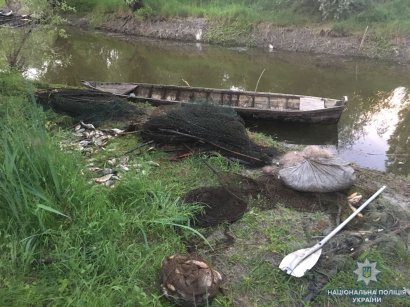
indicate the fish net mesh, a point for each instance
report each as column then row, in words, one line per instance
column 229, row 201
column 218, row 127
column 89, row 105
column 219, row 206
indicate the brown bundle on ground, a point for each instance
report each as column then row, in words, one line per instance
column 189, row 280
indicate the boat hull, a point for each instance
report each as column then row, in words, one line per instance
column 260, row 105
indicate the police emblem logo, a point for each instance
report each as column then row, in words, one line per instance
column 366, row 271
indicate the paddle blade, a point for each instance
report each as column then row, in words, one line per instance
column 295, row 265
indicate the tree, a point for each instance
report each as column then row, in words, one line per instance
column 13, row 51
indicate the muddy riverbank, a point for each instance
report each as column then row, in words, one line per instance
column 315, row 40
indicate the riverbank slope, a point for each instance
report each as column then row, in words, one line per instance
column 347, row 28
column 309, row 39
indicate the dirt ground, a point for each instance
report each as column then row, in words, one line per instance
column 248, row 252
column 319, row 40
column 398, row 191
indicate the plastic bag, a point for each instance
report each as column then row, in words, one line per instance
column 316, row 170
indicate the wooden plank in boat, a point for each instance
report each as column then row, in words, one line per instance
column 311, row 103
column 120, row 89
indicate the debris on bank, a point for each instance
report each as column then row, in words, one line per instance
column 90, row 141
column 383, row 225
column 188, row 280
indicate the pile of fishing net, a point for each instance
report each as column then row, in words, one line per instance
column 229, row 201
column 225, row 203
column 219, row 206
column 89, row 105
column 15, row 21
column 220, row 128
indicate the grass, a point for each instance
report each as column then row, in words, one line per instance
column 384, row 17
column 263, row 237
column 66, row 241
column 390, row 277
column 230, row 31
column 260, row 238
column 104, row 245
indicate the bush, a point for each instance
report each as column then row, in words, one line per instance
column 134, row 4
column 338, row 9
column 372, row 15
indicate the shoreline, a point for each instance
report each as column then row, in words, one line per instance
column 312, row 40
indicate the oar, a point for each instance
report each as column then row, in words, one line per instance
column 298, row 262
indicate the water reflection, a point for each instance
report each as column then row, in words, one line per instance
column 35, row 73
column 373, row 131
column 369, row 132
column 398, row 153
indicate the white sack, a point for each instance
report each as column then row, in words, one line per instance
column 316, row 170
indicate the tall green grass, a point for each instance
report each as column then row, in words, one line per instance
column 65, row 241
column 83, row 7
column 390, row 16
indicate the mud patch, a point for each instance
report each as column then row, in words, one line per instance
column 182, row 29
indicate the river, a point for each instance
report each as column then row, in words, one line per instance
column 373, row 132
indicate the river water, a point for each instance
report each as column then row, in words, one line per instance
column 374, row 130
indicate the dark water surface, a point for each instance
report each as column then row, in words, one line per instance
column 374, row 130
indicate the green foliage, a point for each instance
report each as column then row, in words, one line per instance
column 230, row 31
column 352, row 13
column 105, row 246
column 13, row 85
column 390, row 277
column 32, row 188
column 14, row 52
column 83, row 7
column 48, row 12
column 337, row 9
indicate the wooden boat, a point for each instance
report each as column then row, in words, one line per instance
column 273, row 106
